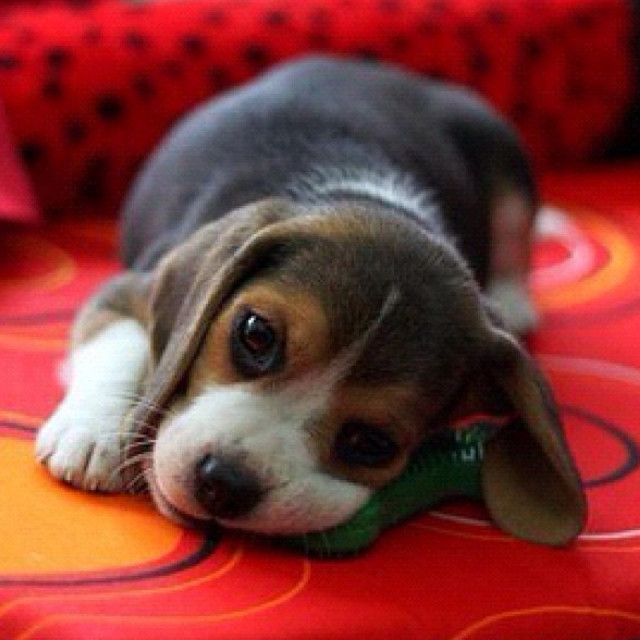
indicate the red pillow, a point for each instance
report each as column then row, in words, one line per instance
column 17, row 202
column 90, row 86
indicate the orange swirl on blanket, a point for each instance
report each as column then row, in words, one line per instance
column 65, row 530
column 535, row 622
column 49, row 337
column 283, row 586
column 29, row 262
column 24, row 419
column 617, row 269
column 101, row 596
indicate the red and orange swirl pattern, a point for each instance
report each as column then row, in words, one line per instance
column 74, row 565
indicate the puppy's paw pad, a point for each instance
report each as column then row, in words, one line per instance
column 86, row 457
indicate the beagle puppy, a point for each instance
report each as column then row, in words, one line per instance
column 324, row 268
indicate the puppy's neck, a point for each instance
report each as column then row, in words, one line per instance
column 388, row 188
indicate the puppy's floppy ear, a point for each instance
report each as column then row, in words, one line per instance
column 191, row 284
column 207, row 264
column 530, row 484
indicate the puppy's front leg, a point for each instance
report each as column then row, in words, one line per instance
column 81, row 443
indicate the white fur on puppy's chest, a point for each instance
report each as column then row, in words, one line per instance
column 81, row 441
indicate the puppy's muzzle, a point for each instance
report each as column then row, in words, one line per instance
column 225, row 489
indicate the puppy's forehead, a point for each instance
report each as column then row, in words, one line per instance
column 358, row 259
column 349, row 273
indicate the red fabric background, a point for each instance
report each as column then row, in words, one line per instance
column 88, row 88
column 91, row 85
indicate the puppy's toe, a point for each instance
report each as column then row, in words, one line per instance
column 77, row 453
column 512, row 301
column 103, row 470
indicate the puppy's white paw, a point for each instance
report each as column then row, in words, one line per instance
column 514, row 305
column 82, row 449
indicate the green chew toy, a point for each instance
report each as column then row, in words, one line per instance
column 444, row 467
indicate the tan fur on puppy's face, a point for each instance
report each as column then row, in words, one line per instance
column 398, row 409
column 295, row 315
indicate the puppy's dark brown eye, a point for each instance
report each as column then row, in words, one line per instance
column 256, row 334
column 365, row 445
column 256, row 348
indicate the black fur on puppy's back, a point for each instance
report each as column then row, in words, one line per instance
column 305, row 118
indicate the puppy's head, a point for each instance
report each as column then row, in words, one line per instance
column 299, row 357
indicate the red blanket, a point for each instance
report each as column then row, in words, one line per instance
column 79, row 566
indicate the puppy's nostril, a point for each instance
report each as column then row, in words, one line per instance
column 224, row 489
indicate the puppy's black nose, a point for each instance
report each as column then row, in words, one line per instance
column 224, row 489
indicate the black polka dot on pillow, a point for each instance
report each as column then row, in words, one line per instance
column 32, row 152
column 520, row 110
column 320, row 18
column 585, row 20
column 496, row 15
column 319, row 40
column 275, row 18
column 91, row 187
column 367, row 55
column 109, row 107
column 429, row 27
column 256, row 55
column 143, row 86
column 218, row 78
column 531, row 47
column 399, row 43
column 74, row 131
column 479, row 63
column 52, row 89
column 135, row 40
column 438, row 7
column 81, row 4
column 57, row 57
column 8, row 60
column 193, row 44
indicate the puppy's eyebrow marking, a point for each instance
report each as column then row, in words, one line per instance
column 318, row 384
column 342, row 364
